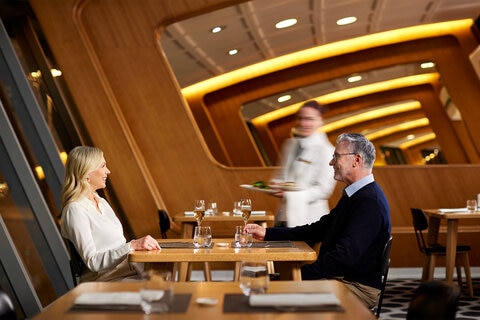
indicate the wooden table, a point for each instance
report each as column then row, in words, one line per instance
column 452, row 218
column 354, row 309
column 189, row 222
column 222, row 251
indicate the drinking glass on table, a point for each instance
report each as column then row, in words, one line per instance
column 237, row 208
column 242, row 238
column 254, row 277
column 212, row 209
column 246, row 207
column 199, row 210
column 202, row 237
column 156, row 291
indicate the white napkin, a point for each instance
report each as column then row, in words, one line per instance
column 258, row 213
column 189, row 213
column 293, row 299
column 447, row 210
column 108, row 298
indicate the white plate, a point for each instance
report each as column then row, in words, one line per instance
column 222, row 244
column 250, row 187
column 286, row 188
column 207, row 301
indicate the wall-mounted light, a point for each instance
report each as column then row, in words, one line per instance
column 3, row 189
column 354, row 78
column 427, row 65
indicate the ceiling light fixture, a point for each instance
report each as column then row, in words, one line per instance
column 284, row 98
column 426, row 65
column 232, row 52
column 217, row 29
column 346, row 20
column 355, row 78
column 286, row 23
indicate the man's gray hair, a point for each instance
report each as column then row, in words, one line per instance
column 361, row 145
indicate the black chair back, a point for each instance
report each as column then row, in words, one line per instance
column 384, row 267
column 420, row 223
column 164, row 222
column 434, row 300
column 77, row 266
column 7, row 310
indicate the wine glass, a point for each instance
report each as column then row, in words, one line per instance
column 254, row 277
column 246, row 207
column 199, row 210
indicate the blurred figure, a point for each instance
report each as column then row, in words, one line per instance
column 434, row 300
column 304, row 165
column 354, row 233
column 90, row 223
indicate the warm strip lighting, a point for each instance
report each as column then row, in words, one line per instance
column 422, row 139
column 349, row 94
column 326, row 51
column 371, row 115
column 286, row 23
column 346, row 20
column 405, row 126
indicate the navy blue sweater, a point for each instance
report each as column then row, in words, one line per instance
column 353, row 236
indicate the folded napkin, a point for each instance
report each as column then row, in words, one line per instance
column 258, row 213
column 447, row 210
column 293, row 299
column 189, row 213
column 108, row 298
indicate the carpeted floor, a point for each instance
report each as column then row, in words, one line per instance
column 398, row 294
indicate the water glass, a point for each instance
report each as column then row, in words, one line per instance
column 254, row 277
column 242, row 238
column 237, row 208
column 156, row 291
column 202, row 237
column 212, row 209
column 471, row 205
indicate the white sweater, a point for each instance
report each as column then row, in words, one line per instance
column 98, row 238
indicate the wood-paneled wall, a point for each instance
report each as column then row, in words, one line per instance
column 130, row 104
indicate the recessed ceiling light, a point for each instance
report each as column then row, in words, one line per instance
column 346, row 20
column 286, row 23
column 426, row 65
column 410, row 137
column 354, row 78
column 284, row 98
column 233, row 52
column 217, row 29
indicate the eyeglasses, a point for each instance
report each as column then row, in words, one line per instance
column 335, row 156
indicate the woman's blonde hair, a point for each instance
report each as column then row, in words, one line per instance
column 80, row 162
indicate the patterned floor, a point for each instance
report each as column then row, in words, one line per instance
column 399, row 292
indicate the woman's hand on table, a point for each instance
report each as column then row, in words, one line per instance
column 145, row 243
column 257, row 231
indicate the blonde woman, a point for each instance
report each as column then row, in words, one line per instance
column 90, row 223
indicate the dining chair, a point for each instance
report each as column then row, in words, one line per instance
column 77, row 266
column 432, row 251
column 7, row 309
column 434, row 300
column 384, row 267
column 164, row 222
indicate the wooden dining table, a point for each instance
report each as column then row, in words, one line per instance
column 188, row 222
column 452, row 218
column 292, row 255
column 227, row 295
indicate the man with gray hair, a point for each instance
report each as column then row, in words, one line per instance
column 355, row 232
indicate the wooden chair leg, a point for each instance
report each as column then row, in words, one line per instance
column 458, row 266
column 207, row 272
column 426, row 269
column 468, row 276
